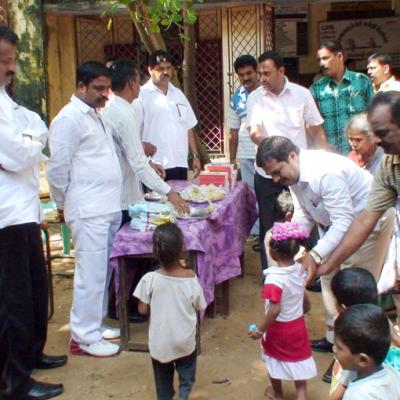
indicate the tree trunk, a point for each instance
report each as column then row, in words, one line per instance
column 26, row 20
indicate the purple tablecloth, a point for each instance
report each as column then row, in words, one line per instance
column 218, row 240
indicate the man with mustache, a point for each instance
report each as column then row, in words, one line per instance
column 85, row 180
column 23, row 275
column 340, row 94
column 166, row 119
column 241, row 146
column 380, row 71
column 279, row 107
column 330, row 190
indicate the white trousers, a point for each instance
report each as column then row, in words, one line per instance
column 92, row 239
column 370, row 256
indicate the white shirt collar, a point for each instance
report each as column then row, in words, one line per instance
column 119, row 99
column 81, row 105
column 387, row 83
column 150, row 84
column 286, row 87
column 305, row 175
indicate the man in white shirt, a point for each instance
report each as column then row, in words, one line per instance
column 120, row 116
column 379, row 70
column 23, row 275
column 85, row 180
column 166, row 119
column 279, row 107
column 329, row 190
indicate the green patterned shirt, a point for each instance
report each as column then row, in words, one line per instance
column 338, row 102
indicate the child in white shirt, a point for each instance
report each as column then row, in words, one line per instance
column 171, row 295
column 285, row 343
column 362, row 340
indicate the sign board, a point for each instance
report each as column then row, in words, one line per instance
column 360, row 38
column 287, row 20
column 286, row 37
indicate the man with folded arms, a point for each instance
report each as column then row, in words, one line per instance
column 23, row 275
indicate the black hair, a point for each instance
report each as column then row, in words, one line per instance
column 8, row 35
column 286, row 249
column 353, row 286
column 275, row 148
column 332, row 45
column 158, row 57
column 245, row 60
column 383, row 59
column 167, row 243
column 390, row 98
column 90, row 70
column 274, row 56
column 364, row 328
column 122, row 71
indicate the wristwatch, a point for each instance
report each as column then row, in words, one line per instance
column 317, row 258
column 196, row 156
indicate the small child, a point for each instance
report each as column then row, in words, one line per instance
column 362, row 340
column 171, row 295
column 286, row 348
column 350, row 287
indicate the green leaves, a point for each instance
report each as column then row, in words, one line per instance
column 160, row 14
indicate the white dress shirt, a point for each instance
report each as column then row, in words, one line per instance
column 164, row 120
column 120, row 117
column 23, row 136
column 285, row 114
column 332, row 190
column 390, row 85
column 84, row 174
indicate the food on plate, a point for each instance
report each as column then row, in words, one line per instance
column 203, row 193
column 195, row 212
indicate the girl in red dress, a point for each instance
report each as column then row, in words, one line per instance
column 285, row 345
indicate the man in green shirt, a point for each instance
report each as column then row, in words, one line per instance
column 339, row 94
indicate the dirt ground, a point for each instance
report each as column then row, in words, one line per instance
column 228, row 368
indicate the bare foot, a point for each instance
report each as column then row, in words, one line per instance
column 271, row 395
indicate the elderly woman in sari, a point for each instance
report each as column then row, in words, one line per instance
column 364, row 151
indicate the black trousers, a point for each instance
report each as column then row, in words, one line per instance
column 23, row 306
column 178, row 174
column 267, row 191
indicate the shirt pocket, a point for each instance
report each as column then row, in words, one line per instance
column 178, row 112
column 294, row 117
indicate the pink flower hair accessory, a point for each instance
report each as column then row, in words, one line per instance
column 288, row 230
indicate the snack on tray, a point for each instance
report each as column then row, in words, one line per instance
column 203, row 193
column 195, row 212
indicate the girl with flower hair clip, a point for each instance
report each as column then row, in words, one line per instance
column 284, row 340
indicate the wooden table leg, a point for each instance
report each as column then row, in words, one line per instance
column 225, row 298
column 241, row 259
column 122, row 304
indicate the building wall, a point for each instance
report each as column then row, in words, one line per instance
column 60, row 61
column 318, row 13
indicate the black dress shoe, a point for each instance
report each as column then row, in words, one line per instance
column 43, row 391
column 49, row 362
column 321, row 345
column 315, row 287
column 327, row 377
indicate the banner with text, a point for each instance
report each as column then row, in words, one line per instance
column 360, row 38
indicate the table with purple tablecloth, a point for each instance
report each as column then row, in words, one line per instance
column 218, row 240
